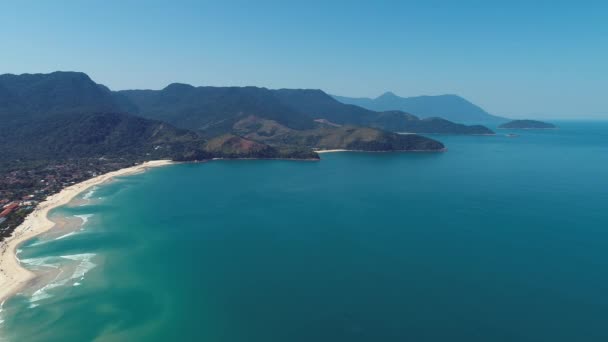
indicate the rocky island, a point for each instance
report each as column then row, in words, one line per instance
column 527, row 124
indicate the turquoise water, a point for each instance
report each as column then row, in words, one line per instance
column 498, row 239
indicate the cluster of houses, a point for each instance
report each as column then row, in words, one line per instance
column 21, row 189
column 9, row 207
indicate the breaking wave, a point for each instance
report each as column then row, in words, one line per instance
column 84, row 266
column 37, row 263
column 90, row 193
column 80, row 270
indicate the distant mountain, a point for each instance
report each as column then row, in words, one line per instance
column 214, row 110
column 450, row 107
column 320, row 105
column 527, row 124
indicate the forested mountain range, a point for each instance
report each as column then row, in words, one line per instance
column 215, row 110
column 66, row 115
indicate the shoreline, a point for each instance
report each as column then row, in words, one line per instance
column 13, row 276
column 458, row 134
column 528, row 128
column 391, row 151
column 287, row 159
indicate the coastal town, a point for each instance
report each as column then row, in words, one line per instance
column 23, row 187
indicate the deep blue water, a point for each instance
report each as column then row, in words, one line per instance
column 498, row 239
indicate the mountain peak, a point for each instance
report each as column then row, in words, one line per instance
column 178, row 86
column 50, row 77
column 74, row 74
column 387, row 95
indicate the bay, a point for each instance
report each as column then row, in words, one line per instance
column 498, row 239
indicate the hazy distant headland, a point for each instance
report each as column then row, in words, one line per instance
column 450, row 107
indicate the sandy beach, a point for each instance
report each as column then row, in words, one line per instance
column 12, row 275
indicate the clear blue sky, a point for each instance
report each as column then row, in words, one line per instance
column 515, row 58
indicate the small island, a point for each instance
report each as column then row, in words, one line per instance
column 527, row 124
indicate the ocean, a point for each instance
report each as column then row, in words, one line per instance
column 498, row 239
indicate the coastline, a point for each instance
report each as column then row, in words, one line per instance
column 472, row 134
column 287, row 159
column 391, row 151
column 528, row 128
column 332, row 151
column 12, row 275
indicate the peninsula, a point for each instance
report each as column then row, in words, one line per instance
column 61, row 129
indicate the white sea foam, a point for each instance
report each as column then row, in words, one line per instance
column 1, row 309
column 37, row 263
column 85, row 218
column 57, row 238
column 38, row 243
column 42, row 293
column 40, row 262
column 84, row 266
column 65, row 236
column 90, row 193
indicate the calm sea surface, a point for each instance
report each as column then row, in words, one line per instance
column 498, row 239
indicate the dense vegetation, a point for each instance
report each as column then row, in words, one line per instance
column 93, row 134
column 328, row 136
column 67, row 116
column 40, row 95
column 234, row 146
column 214, row 110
